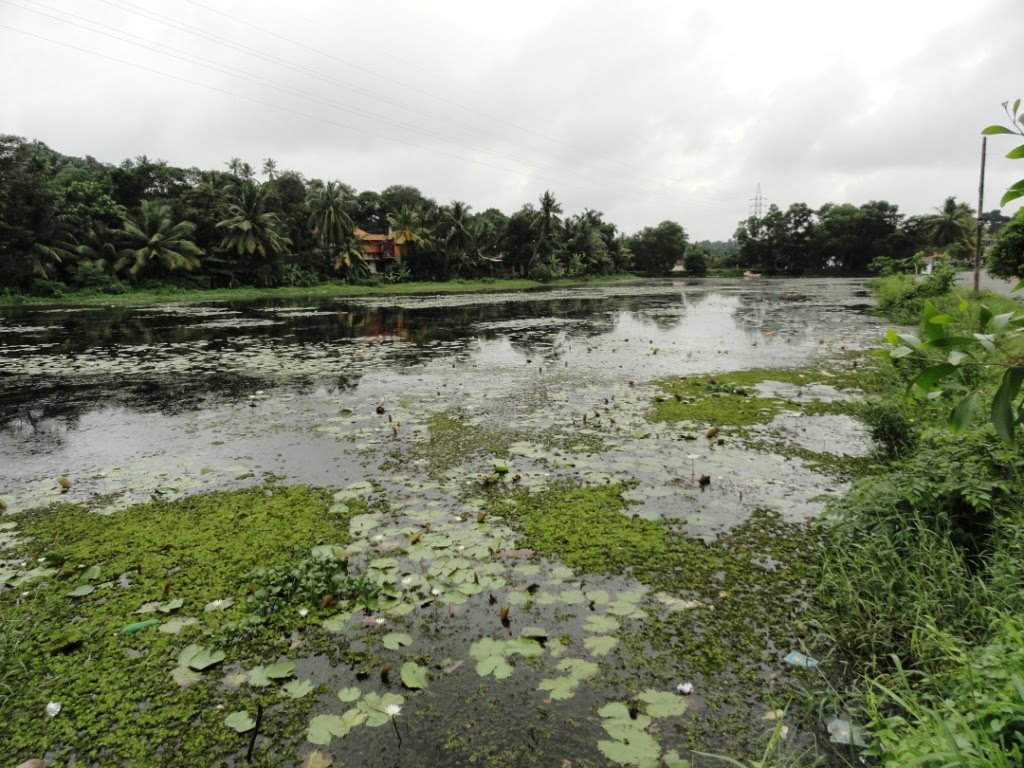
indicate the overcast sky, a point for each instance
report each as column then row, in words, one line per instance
column 672, row 109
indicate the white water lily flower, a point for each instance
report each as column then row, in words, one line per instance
column 435, row 592
column 380, row 622
column 303, row 612
column 407, row 581
column 693, row 456
column 53, row 708
column 379, row 537
column 392, row 710
column 685, row 688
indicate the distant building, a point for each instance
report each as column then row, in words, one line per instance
column 378, row 249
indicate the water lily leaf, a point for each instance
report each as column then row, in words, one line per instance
column 524, row 646
column 615, row 710
column 91, row 573
column 318, row 759
column 600, row 625
column 151, row 607
column 535, row 633
column 621, row 607
column 178, row 623
column 395, row 640
column 413, row 675
column 258, row 677
column 206, row 658
column 349, row 694
column 625, row 729
column 601, row 645
column 281, row 670
column 374, row 706
column 559, row 688
column 641, row 751
column 186, row 654
column 494, row 665
column 185, row 677
column 240, row 721
column 663, row 703
column 296, row 689
column 572, row 597
column 82, row 591
column 172, row 605
column 219, row 605
column 337, row 624
column 323, row 728
column 673, row 760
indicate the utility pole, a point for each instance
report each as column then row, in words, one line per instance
column 757, row 203
column 977, row 239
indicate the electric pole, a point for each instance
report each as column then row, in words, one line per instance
column 757, row 203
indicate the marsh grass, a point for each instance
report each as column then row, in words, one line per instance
column 922, row 587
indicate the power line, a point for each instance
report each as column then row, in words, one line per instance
column 273, row 105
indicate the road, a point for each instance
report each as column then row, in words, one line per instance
column 989, row 283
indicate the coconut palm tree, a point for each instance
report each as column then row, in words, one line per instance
column 52, row 244
column 544, row 222
column 270, row 168
column 100, row 245
column 328, row 218
column 407, row 227
column 154, row 238
column 454, row 223
column 251, row 229
column 952, row 223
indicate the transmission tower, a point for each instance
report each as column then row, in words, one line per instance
column 757, row 202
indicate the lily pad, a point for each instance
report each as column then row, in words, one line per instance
column 494, row 665
column 82, row 591
column 281, row 670
column 349, row 694
column 641, row 751
column 240, row 721
column 296, row 689
column 601, row 645
column 600, row 625
column 395, row 640
column 413, row 675
column 323, row 728
column 318, row 759
column 178, row 623
column 663, row 703
column 205, row 658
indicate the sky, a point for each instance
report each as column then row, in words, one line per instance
column 647, row 111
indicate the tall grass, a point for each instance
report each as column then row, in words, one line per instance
column 923, row 583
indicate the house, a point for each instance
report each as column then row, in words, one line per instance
column 378, row 249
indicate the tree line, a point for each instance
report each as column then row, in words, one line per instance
column 79, row 223
column 857, row 240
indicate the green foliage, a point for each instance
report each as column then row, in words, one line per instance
column 306, row 583
column 1006, row 257
column 902, row 297
column 1016, row 127
column 696, row 260
column 657, row 249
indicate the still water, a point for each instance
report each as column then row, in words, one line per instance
column 171, row 399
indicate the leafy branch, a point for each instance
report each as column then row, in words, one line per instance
column 1016, row 128
column 946, row 360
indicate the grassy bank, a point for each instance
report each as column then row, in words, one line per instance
column 923, row 580
column 170, row 293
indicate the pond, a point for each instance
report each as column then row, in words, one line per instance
column 424, row 405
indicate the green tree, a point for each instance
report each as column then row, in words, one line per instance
column 153, row 240
column 250, row 229
column 1006, row 257
column 270, row 168
column 455, row 239
column 696, row 260
column 657, row 249
column 952, row 223
column 328, row 217
column 545, row 221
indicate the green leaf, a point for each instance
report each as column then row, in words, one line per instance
column 984, row 316
column 1015, row 191
column 1018, row 286
column 185, row 677
column 240, row 721
column 131, row 629
column 901, row 352
column 1002, row 403
column 413, row 675
column 395, row 640
column 956, row 356
column 601, row 645
column 172, row 605
column 494, row 665
column 178, row 623
column 929, row 377
column 996, row 130
column 962, row 414
column 258, row 677
column 318, row 759
column 205, row 658
column 82, row 591
column 663, row 703
column 323, row 728
column 999, row 322
column 296, row 689
column 281, row 670
column 91, row 573
column 642, row 751
column 1016, row 153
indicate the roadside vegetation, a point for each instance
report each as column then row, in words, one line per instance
column 922, row 586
